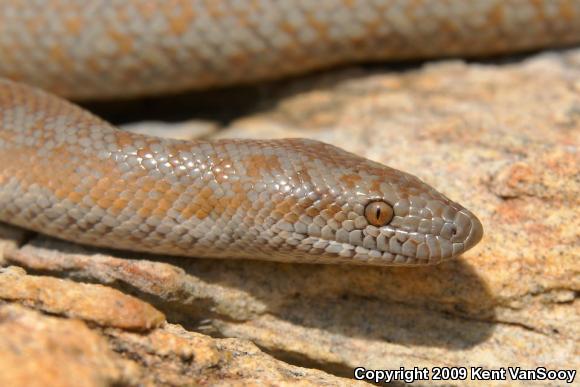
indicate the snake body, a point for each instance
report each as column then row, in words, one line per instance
column 69, row 174
column 120, row 48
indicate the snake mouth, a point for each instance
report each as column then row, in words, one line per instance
column 357, row 254
column 402, row 248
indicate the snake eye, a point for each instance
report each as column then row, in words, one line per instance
column 378, row 213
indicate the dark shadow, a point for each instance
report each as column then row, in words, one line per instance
column 401, row 312
column 225, row 104
column 446, row 306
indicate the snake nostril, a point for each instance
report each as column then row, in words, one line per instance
column 453, row 231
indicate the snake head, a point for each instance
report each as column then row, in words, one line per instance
column 355, row 210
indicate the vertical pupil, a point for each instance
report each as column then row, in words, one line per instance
column 378, row 213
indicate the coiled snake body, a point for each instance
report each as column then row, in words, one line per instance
column 66, row 173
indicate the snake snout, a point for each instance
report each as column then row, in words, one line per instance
column 475, row 234
column 469, row 232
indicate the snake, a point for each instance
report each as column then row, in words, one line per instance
column 68, row 174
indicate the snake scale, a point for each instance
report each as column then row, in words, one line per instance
column 69, row 174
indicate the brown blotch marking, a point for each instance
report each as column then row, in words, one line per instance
column 147, row 9
column 286, row 206
column 59, row 183
column 73, row 25
column 496, row 15
column 159, row 213
column 164, row 205
column 147, row 184
column 144, row 212
column 124, row 42
column 171, row 196
column 179, row 24
column 103, row 191
column 224, row 206
column 124, row 138
column 406, row 186
column 75, row 197
column 322, row 29
column 34, row 24
column 376, row 185
column 277, row 215
column 350, row 180
column 139, row 194
column 305, row 202
column 214, row 10
column 94, row 65
column 163, row 186
column 312, row 211
column 239, row 59
column 111, row 194
column 122, row 16
column 235, row 202
column 238, row 188
column 205, row 193
column 104, row 203
column 144, row 151
column 333, row 209
column 118, row 206
column 567, row 11
column 150, row 204
column 189, row 211
column 291, row 217
column 104, row 183
column 203, row 204
column 258, row 163
column 221, row 177
column 58, row 55
column 287, row 27
column 201, row 214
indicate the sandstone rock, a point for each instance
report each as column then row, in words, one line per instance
column 96, row 303
column 502, row 139
column 176, row 357
column 188, row 130
column 37, row 350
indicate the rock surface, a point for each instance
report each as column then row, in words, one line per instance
column 94, row 303
column 38, row 350
column 502, row 139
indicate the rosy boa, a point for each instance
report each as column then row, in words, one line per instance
column 67, row 173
